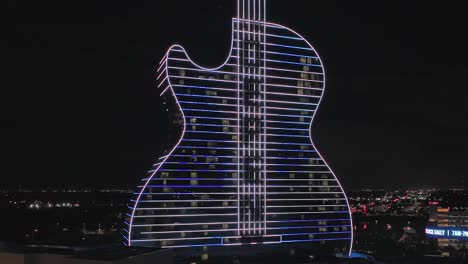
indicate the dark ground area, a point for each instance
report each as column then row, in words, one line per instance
column 96, row 218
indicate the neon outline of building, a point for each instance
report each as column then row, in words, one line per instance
column 241, row 167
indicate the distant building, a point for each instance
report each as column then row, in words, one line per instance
column 449, row 226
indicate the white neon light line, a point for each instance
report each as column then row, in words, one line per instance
column 186, row 201
column 192, row 193
column 265, row 175
column 307, row 220
column 165, row 90
column 191, row 186
column 295, row 71
column 188, row 60
column 233, row 133
column 293, row 63
column 294, row 95
column 201, row 140
column 213, row 125
column 187, row 224
column 270, row 76
column 304, row 179
column 213, row 111
column 206, row 103
column 288, row 46
column 243, row 138
column 297, row 87
column 278, row 171
column 301, row 186
column 189, row 231
column 204, row 79
column 176, row 239
column 212, row 118
column 200, row 70
column 159, row 76
column 287, row 136
column 205, row 96
column 292, row 102
column 199, row 238
column 294, row 193
column 162, row 82
column 163, row 59
column 249, row 111
column 185, row 215
column 292, row 79
column 228, row 148
column 311, row 140
column 204, row 87
column 287, row 102
column 288, row 122
column 294, row 213
column 163, row 64
column 290, row 109
column 269, row 35
column 311, row 199
column 305, row 206
column 232, row 112
column 211, row 156
column 185, row 208
column 292, row 55
column 233, row 164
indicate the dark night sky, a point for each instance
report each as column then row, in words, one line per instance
column 80, row 106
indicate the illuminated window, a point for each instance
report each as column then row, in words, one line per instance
column 211, row 144
column 212, row 159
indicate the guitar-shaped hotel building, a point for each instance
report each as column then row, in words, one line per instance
column 241, row 169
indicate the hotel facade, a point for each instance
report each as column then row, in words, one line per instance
column 240, row 168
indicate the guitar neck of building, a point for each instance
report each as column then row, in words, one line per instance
column 254, row 10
